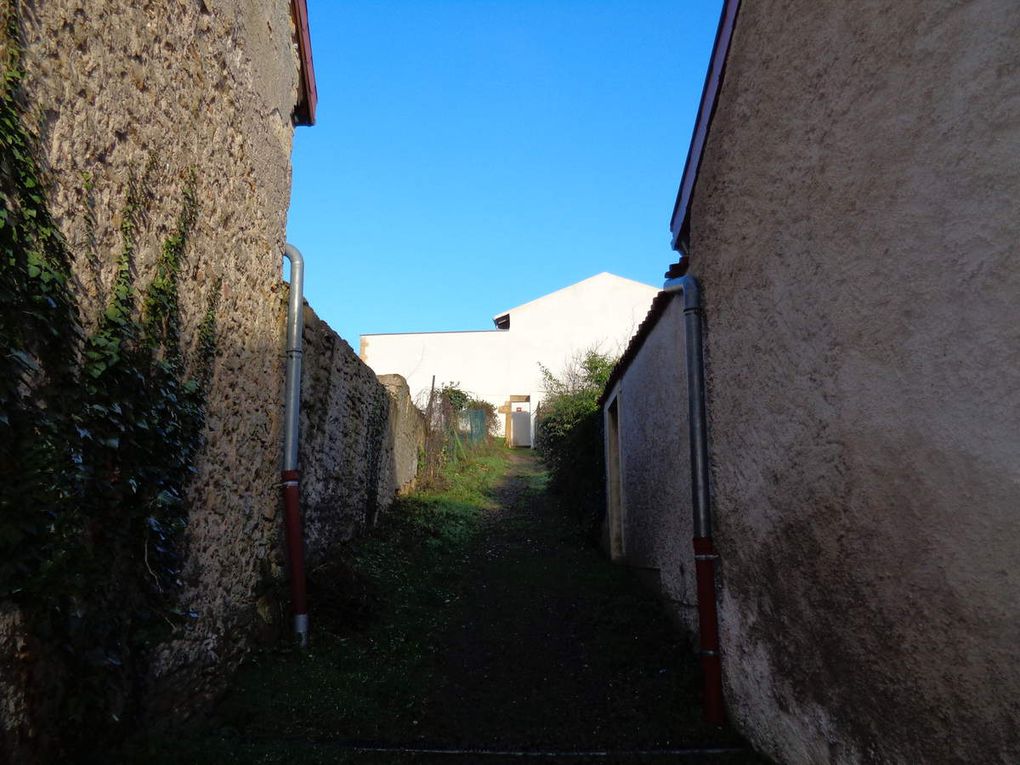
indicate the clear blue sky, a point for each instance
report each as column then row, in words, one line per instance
column 471, row 155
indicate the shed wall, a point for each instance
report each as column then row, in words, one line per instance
column 655, row 487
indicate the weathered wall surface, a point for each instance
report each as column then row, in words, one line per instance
column 359, row 440
column 208, row 86
column 655, row 487
column 406, row 432
column 855, row 228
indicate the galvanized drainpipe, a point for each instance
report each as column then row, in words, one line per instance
column 291, row 476
column 705, row 556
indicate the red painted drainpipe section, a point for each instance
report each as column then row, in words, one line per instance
column 705, row 558
column 295, row 539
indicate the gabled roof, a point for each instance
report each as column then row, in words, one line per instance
column 502, row 319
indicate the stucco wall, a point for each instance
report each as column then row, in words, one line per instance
column 600, row 312
column 855, row 228
column 655, row 486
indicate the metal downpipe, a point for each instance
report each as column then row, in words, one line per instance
column 291, row 425
column 705, row 556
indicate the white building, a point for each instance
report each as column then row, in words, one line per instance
column 502, row 365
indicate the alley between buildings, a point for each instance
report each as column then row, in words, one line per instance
column 475, row 624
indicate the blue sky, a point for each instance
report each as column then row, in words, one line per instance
column 471, row 155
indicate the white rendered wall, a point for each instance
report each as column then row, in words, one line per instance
column 602, row 311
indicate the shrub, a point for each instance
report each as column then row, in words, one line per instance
column 569, row 435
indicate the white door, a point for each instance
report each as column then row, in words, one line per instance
column 520, row 429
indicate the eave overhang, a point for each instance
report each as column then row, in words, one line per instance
column 680, row 222
column 308, row 97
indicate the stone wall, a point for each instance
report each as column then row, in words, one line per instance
column 118, row 87
column 359, row 440
column 207, row 86
column 855, row 229
column 406, row 432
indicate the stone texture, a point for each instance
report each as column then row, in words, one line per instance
column 207, row 85
column 407, row 432
column 360, row 440
column 855, row 229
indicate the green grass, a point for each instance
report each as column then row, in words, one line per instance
column 473, row 616
column 378, row 609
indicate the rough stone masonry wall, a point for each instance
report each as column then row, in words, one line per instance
column 406, row 432
column 211, row 86
column 359, row 440
column 207, row 85
column 855, row 227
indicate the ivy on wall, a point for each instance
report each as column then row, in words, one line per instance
column 98, row 436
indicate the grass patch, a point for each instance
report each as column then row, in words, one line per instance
column 377, row 608
column 472, row 617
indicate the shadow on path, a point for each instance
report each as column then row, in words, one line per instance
column 500, row 636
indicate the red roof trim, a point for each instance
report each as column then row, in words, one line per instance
column 304, row 110
column 709, row 95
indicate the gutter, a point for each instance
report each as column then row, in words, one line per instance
column 308, row 97
column 291, row 426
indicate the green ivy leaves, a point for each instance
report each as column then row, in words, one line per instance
column 98, row 436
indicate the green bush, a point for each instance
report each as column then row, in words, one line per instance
column 569, row 435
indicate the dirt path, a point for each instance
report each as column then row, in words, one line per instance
column 553, row 648
column 500, row 632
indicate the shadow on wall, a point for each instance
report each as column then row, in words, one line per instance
column 360, row 439
column 359, row 448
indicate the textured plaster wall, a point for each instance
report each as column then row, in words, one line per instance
column 655, row 487
column 855, row 226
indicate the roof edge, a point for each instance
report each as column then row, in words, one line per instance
column 509, row 311
column 308, row 96
column 680, row 221
column 659, row 304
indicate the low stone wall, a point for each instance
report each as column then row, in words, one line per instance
column 407, row 432
column 359, row 440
